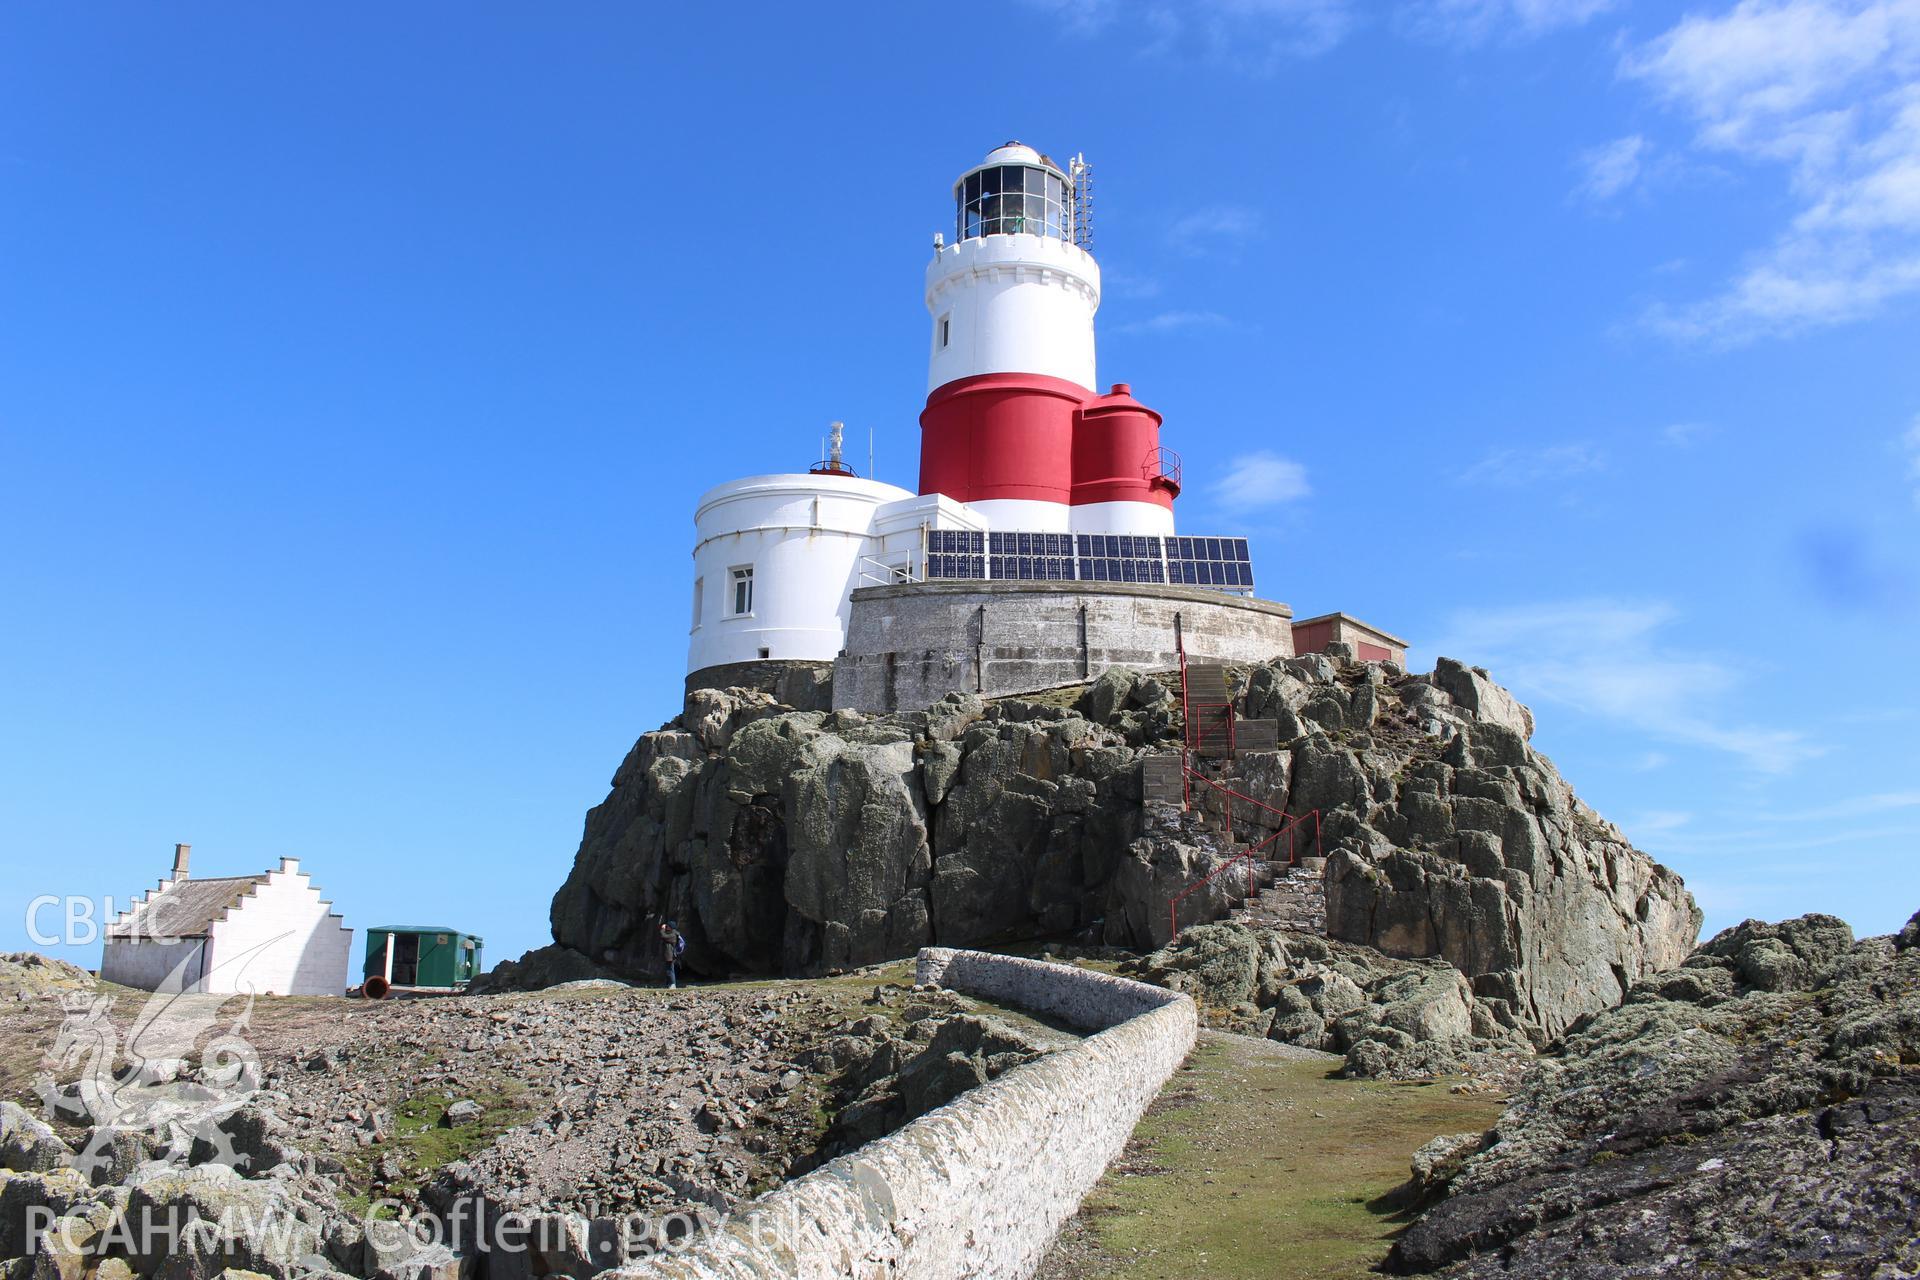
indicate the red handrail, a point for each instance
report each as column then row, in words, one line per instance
column 1290, row 827
column 1173, row 906
column 1186, row 727
column 1228, row 791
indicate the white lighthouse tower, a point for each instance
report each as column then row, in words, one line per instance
column 1015, row 292
column 1014, row 425
column 1037, row 491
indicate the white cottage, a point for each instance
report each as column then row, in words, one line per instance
column 271, row 933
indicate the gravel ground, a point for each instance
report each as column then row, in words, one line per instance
column 600, row 1100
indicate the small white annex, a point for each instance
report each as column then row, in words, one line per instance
column 269, row 934
column 779, row 556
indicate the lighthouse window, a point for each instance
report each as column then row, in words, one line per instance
column 1013, row 200
column 946, row 329
column 743, row 591
column 699, row 591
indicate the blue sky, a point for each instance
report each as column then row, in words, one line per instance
column 359, row 367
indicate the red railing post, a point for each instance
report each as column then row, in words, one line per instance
column 1186, row 729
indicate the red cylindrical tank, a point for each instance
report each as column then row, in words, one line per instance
column 1116, row 452
column 998, row 436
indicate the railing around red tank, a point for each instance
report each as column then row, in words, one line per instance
column 1162, row 465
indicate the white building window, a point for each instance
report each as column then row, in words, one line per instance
column 699, row 600
column 946, row 329
column 743, row 591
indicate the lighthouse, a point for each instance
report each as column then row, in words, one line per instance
column 1039, row 548
column 1014, row 425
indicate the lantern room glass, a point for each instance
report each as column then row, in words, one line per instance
column 1013, row 199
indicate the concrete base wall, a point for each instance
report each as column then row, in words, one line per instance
column 980, row 1187
column 910, row 645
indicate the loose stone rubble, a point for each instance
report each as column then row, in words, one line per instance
column 609, row 1118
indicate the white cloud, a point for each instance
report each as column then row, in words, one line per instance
column 1858, row 807
column 1521, row 468
column 1261, row 37
column 1608, row 659
column 1175, row 321
column 1608, row 170
column 1259, row 480
column 1911, row 441
column 1120, row 282
column 1214, row 227
column 1257, row 36
column 1471, row 21
column 1659, row 821
column 1684, row 435
column 1826, row 89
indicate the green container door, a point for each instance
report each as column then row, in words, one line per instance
column 424, row 957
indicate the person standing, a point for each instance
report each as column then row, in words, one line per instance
column 673, row 944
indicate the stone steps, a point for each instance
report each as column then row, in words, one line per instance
column 1293, row 897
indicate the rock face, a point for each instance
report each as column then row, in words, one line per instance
column 796, row 841
column 1391, row 1018
column 785, row 841
column 1755, row 1111
column 1449, row 836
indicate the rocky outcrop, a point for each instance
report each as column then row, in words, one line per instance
column 27, row 975
column 799, row 841
column 1393, row 1019
column 1754, row 1111
column 1448, row 835
column 891, row 1079
column 785, row 841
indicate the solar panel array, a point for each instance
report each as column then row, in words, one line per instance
column 1210, row 562
column 956, row 553
column 1031, row 557
column 1218, row 563
column 1121, row 557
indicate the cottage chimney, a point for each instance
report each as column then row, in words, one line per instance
column 180, row 852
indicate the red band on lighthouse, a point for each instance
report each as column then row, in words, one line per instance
column 1025, row 436
column 998, row 436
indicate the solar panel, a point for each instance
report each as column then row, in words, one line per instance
column 955, row 542
column 1220, row 564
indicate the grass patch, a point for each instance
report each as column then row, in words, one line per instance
column 1256, row 1165
column 425, row 1145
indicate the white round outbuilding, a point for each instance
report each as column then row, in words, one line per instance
column 775, row 562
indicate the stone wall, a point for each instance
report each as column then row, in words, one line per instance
column 909, row 645
column 981, row 1186
column 799, row 683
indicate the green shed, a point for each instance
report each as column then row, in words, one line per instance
column 419, row 956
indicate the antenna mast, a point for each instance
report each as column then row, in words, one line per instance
column 1080, row 176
